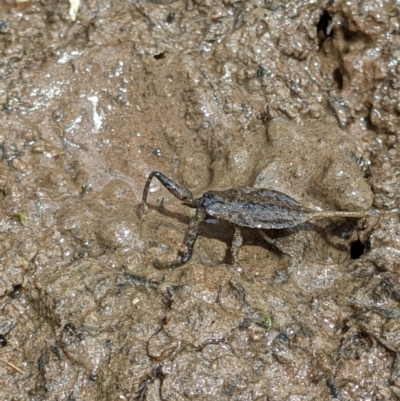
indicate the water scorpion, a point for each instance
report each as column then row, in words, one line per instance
column 259, row 208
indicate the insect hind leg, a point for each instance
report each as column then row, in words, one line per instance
column 275, row 245
column 188, row 243
column 271, row 242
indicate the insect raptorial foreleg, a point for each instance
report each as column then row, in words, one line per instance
column 237, row 242
column 179, row 192
column 188, row 243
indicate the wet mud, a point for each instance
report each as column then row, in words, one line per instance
column 300, row 97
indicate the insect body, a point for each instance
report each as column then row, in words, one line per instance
column 243, row 207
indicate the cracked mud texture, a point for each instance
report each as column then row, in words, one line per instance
column 298, row 96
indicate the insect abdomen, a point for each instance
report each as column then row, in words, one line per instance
column 248, row 208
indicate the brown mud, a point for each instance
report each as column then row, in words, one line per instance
column 298, row 96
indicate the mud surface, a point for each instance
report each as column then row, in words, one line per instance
column 298, row 96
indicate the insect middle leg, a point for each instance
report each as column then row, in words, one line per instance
column 237, row 242
column 188, row 243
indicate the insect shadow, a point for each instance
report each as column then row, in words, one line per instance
column 209, row 228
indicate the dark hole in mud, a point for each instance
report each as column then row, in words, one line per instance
column 159, row 56
column 283, row 338
column 261, row 71
column 337, row 76
column 170, row 17
column 323, row 24
column 4, row 27
column 357, row 249
column 56, row 351
column 70, row 329
column 16, row 291
column 333, row 388
column 368, row 122
column 3, row 341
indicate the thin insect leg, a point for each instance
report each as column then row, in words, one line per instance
column 274, row 244
column 237, row 242
column 268, row 239
column 179, row 192
column 188, row 242
column 271, row 242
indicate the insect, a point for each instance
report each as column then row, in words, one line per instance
column 258, row 208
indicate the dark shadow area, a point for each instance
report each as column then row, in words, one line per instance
column 357, row 249
column 159, row 56
column 323, row 28
column 352, row 37
column 323, row 23
column 338, row 77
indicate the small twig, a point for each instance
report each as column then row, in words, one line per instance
column 67, row 141
column 211, row 341
column 139, row 6
column 12, row 365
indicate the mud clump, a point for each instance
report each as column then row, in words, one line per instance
column 316, row 160
column 293, row 96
